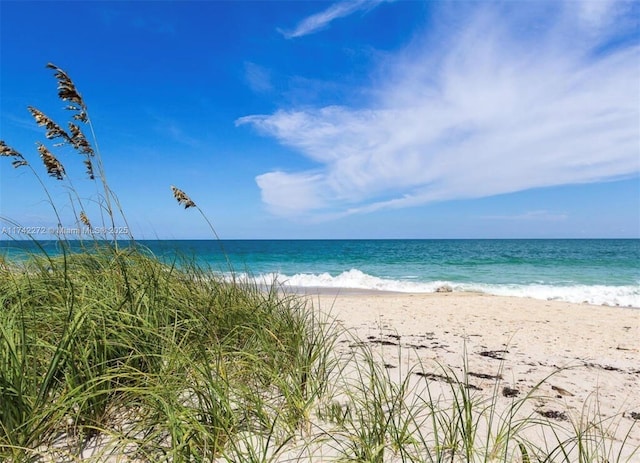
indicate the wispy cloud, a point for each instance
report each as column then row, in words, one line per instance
column 257, row 77
column 486, row 108
column 319, row 21
column 23, row 122
column 172, row 130
column 537, row 216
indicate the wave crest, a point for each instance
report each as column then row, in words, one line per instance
column 626, row 296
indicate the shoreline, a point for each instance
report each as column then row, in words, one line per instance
column 352, row 292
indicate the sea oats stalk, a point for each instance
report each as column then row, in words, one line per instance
column 20, row 161
column 76, row 138
column 84, row 219
column 7, row 151
column 55, row 169
column 67, row 91
column 184, row 200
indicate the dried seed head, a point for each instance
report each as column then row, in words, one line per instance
column 53, row 129
column 89, row 165
column 182, row 198
column 84, row 219
column 67, row 92
column 51, row 163
column 79, row 141
column 7, row 151
column 19, row 163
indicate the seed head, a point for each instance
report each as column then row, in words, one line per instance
column 67, row 92
column 79, row 141
column 182, row 198
column 89, row 165
column 51, row 163
column 7, row 151
column 84, row 219
column 53, row 129
column 19, row 163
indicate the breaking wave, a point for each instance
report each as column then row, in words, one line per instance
column 626, row 296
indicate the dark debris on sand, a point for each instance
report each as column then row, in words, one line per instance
column 446, row 379
column 510, row 392
column 553, row 414
column 494, row 354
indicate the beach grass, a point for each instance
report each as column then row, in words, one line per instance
column 169, row 362
column 108, row 353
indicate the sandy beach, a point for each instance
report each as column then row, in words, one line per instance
column 591, row 352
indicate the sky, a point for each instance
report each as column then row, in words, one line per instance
column 347, row 119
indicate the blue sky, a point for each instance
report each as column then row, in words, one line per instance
column 354, row 119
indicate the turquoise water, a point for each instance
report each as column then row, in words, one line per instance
column 595, row 271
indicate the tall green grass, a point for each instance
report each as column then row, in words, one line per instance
column 168, row 363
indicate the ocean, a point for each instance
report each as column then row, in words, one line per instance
column 597, row 271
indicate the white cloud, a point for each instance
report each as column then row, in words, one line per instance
column 319, row 21
column 472, row 114
column 290, row 194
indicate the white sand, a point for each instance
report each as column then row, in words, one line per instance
column 599, row 346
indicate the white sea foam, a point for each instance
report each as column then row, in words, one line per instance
column 626, row 296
